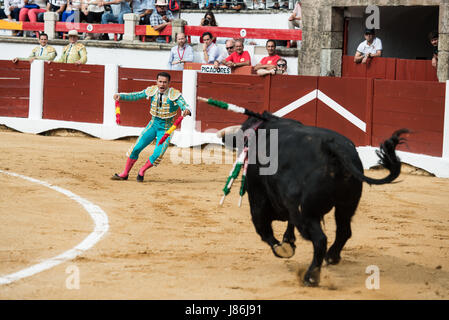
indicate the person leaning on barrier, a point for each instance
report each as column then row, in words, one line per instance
column 281, row 66
column 268, row 64
column 368, row 49
column 41, row 52
column 160, row 18
column 433, row 38
column 238, row 58
column 74, row 52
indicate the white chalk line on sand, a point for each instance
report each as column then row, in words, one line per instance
column 99, row 217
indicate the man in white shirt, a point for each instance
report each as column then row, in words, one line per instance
column 211, row 53
column 368, row 49
column 180, row 53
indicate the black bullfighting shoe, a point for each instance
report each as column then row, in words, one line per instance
column 139, row 178
column 117, row 177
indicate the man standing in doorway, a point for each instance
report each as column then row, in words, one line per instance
column 368, row 49
column 433, row 38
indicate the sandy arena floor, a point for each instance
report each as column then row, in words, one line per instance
column 169, row 239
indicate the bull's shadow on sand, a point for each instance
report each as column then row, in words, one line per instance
column 399, row 278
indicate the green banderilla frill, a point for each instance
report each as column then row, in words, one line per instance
column 231, row 178
column 234, row 174
column 220, row 104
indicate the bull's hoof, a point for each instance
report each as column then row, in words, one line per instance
column 312, row 278
column 332, row 260
column 284, row 250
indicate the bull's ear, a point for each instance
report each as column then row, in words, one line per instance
column 228, row 130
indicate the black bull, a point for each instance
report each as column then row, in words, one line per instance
column 318, row 169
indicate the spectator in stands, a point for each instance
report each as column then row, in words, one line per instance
column 74, row 52
column 73, row 11
column 238, row 58
column 160, row 18
column 295, row 20
column 259, row 4
column 433, row 38
column 118, row 9
column 368, row 49
column 230, row 48
column 180, row 53
column 31, row 9
column 144, row 8
column 2, row 14
column 239, row 5
column 41, row 52
column 209, row 20
column 57, row 6
column 211, row 53
column 268, row 64
column 12, row 9
column 93, row 10
column 281, row 66
column 276, row 5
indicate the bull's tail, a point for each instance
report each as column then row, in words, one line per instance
column 387, row 159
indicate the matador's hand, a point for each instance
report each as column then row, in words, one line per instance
column 116, row 96
column 186, row 113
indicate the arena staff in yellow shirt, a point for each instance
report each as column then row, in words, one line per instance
column 74, row 52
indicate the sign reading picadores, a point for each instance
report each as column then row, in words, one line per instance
column 207, row 68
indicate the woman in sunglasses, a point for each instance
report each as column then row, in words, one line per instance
column 281, row 66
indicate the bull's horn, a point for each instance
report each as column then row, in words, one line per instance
column 228, row 130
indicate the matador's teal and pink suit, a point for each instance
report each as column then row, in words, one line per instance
column 163, row 108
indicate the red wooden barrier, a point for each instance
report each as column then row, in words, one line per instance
column 137, row 113
column 417, row 70
column 73, row 92
column 14, row 88
column 352, row 94
column 390, row 69
column 416, row 105
column 286, row 89
column 377, row 68
column 243, row 90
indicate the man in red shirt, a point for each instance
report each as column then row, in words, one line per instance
column 238, row 58
column 268, row 64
